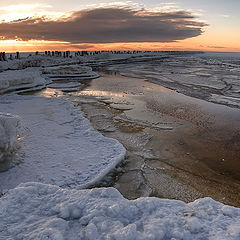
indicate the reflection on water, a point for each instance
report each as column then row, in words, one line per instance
column 209, row 132
column 206, row 131
column 48, row 93
column 188, row 139
column 96, row 93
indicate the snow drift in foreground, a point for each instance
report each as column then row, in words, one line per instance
column 20, row 79
column 8, row 134
column 59, row 145
column 39, row 211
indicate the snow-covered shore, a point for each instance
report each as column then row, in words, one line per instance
column 13, row 80
column 58, row 143
column 62, row 154
column 43, row 60
column 38, row 211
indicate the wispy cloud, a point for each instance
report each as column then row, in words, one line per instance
column 107, row 25
column 225, row 15
column 10, row 13
column 23, row 7
column 115, row 4
column 166, row 7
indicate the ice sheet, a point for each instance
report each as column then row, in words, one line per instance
column 59, row 145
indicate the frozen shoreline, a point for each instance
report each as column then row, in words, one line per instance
column 200, row 76
column 167, row 137
column 77, row 156
column 59, row 145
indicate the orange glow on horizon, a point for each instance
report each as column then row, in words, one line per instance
column 220, row 33
column 200, row 43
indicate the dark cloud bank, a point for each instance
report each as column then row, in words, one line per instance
column 107, row 25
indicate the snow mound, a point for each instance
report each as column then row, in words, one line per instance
column 20, row 79
column 67, row 69
column 9, row 125
column 76, row 72
column 35, row 61
column 65, row 85
column 38, row 211
column 59, row 145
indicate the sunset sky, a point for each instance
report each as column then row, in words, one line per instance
column 210, row 25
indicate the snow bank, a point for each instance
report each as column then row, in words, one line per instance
column 66, row 69
column 20, row 79
column 38, row 211
column 59, row 146
column 42, row 60
column 31, row 78
column 64, row 85
column 77, row 72
column 34, row 61
column 8, row 134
